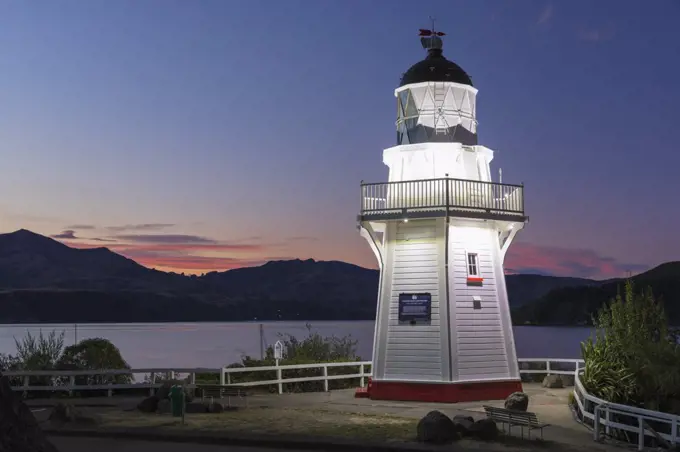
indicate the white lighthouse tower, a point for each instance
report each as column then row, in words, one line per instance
column 440, row 229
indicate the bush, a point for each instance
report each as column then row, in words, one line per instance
column 634, row 358
column 94, row 354
column 313, row 349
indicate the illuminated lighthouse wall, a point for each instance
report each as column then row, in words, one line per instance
column 443, row 329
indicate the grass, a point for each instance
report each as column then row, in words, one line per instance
column 291, row 421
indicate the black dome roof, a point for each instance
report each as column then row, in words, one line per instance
column 435, row 68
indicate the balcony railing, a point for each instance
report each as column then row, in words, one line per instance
column 439, row 197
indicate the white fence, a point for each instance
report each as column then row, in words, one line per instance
column 607, row 418
column 66, row 380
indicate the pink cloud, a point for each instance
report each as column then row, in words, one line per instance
column 529, row 258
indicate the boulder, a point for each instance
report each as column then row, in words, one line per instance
column 552, row 381
column 148, row 405
column 196, row 407
column 19, row 431
column 215, row 408
column 67, row 413
column 484, row 429
column 462, row 424
column 517, row 401
column 164, row 406
column 436, row 428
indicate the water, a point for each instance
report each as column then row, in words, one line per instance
column 160, row 345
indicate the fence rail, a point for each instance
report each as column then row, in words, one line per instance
column 607, row 418
column 432, row 196
column 66, row 380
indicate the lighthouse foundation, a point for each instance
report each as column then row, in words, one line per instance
column 443, row 392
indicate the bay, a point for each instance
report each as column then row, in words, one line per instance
column 166, row 345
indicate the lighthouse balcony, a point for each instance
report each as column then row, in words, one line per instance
column 441, row 197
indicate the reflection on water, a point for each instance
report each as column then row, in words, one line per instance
column 218, row 344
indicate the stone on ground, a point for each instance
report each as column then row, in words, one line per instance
column 553, row 382
column 436, row 428
column 215, row 407
column 517, row 401
column 148, row 405
column 484, row 429
column 196, row 407
column 66, row 413
column 164, row 406
column 463, row 424
column 19, row 431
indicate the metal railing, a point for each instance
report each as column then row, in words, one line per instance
column 441, row 195
column 606, row 417
column 65, row 380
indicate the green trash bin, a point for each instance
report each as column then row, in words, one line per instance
column 177, row 400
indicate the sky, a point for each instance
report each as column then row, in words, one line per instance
column 206, row 135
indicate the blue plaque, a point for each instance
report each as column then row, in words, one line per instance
column 415, row 308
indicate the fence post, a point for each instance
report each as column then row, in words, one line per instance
column 547, row 367
column 325, row 378
column 596, row 423
column 152, row 378
column 279, row 376
column 361, row 371
column 109, row 393
column 641, row 433
column 222, row 376
column 71, row 383
column 674, row 432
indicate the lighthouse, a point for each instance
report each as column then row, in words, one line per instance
column 440, row 228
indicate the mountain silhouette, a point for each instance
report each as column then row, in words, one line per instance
column 43, row 280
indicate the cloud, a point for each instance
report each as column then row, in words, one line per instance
column 302, row 238
column 548, row 260
column 596, row 34
column 67, row 234
column 140, row 227
column 81, row 227
column 546, row 15
column 165, row 238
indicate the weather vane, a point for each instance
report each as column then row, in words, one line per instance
column 431, row 39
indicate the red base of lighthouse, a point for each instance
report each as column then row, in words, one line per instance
column 442, row 392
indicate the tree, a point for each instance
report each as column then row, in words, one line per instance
column 94, row 354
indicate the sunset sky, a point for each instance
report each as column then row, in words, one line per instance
column 196, row 135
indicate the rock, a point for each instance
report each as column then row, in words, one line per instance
column 567, row 380
column 63, row 413
column 517, row 401
column 19, row 431
column 552, row 381
column 215, row 408
column 196, row 407
column 436, row 428
column 164, row 406
column 148, row 405
column 463, row 424
column 484, row 429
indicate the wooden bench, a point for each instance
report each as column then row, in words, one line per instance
column 522, row 419
column 222, row 392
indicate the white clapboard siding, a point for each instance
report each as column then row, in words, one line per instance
column 413, row 352
column 480, row 339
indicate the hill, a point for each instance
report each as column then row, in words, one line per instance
column 42, row 280
column 577, row 305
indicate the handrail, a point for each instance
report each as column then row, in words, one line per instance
column 584, row 402
column 437, row 196
column 502, row 184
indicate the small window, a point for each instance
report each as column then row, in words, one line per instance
column 472, row 265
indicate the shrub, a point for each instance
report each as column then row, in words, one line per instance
column 633, row 358
column 313, row 349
